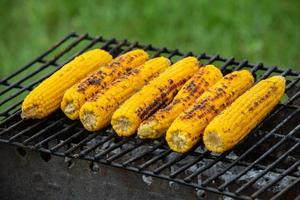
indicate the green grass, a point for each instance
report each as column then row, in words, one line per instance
column 264, row 30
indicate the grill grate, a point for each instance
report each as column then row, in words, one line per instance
column 265, row 165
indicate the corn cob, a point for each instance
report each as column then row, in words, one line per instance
column 158, row 93
column 185, row 131
column 96, row 114
column 158, row 124
column 46, row 97
column 236, row 121
column 77, row 95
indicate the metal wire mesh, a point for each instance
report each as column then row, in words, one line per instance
column 266, row 164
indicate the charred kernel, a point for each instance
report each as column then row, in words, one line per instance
column 237, row 120
column 75, row 96
column 118, row 92
column 196, row 117
column 157, row 94
column 157, row 125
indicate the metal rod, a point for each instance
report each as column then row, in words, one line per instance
column 80, row 144
column 250, row 149
column 139, row 156
column 118, row 155
column 266, row 170
column 259, row 159
column 205, row 167
column 56, row 45
column 185, row 167
column 44, row 130
column 154, row 159
column 62, row 131
column 277, row 196
column 285, row 173
column 43, row 66
column 68, row 140
column 94, row 146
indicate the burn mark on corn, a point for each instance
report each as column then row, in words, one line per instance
column 206, row 105
column 171, row 105
column 94, row 79
column 167, row 93
column 230, row 76
column 191, row 87
column 263, row 98
column 134, row 71
column 98, row 77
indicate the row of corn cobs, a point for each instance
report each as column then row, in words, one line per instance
column 184, row 101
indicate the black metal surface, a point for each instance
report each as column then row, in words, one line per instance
column 67, row 179
column 264, row 165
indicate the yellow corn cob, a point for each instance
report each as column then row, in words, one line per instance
column 158, row 124
column 236, row 121
column 185, row 131
column 46, row 97
column 158, row 93
column 77, row 95
column 96, row 114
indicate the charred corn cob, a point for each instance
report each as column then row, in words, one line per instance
column 96, row 114
column 158, row 93
column 185, row 131
column 77, row 95
column 236, row 121
column 158, row 124
column 46, row 97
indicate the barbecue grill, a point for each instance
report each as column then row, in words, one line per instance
column 265, row 165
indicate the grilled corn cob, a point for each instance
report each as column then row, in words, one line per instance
column 158, row 124
column 96, row 114
column 236, row 121
column 77, row 95
column 158, row 93
column 46, row 97
column 185, row 131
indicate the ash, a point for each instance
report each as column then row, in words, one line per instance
column 217, row 168
column 234, row 171
column 147, row 179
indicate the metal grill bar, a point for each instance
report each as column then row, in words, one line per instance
column 112, row 158
column 29, row 128
column 249, row 150
column 171, row 162
column 278, row 195
column 266, row 170
column 89, row 149
column 259, row 159
column 55, row 135
column 241, row 65
column 38, row 58
column 227, row 62
column 267, row 73
column 185, row 167
column 200, row 170
column 67, row 141
column 286, row 172
column 137, row 157
column 154, row 159
column 80, row 144
column 5, row 112
column 58, row 136
column 113, row 147
column 39, row 133
column 40, row 69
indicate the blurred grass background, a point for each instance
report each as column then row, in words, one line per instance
column 259, row 30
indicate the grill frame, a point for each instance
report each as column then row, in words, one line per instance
column 22, row 133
